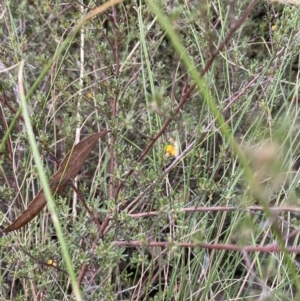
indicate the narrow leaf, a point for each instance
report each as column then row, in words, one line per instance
column 68, row 170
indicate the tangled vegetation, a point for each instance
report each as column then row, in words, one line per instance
column 192, row 194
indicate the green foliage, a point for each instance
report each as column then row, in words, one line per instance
column 131, row 82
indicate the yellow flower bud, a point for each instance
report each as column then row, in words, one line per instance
column 52, row 262
column 90, row 95
column 170, row 150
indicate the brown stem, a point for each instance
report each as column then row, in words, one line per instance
column 227, row 247
column 92, row 216
column 215, row 209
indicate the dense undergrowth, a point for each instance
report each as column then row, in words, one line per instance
column 173, row 224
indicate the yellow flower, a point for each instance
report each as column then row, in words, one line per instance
column 52, row 262
column 273, row 27
column 90, row 95
column 170, row 150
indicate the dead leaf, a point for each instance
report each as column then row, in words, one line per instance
column 68, row 170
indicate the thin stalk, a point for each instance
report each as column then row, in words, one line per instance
column 45, row 185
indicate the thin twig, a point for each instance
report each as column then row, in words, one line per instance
column 227, row 247
column 91, row 214
column 214, row 209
